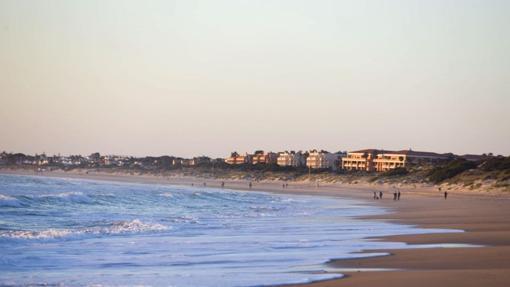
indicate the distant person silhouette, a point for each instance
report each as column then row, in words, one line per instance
column 445, row 195
column 398, row 195
column 249, row 185
column 375, row 195
column 380, row 194
column 222, row 184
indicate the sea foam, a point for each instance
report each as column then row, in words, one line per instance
column 81, row 233
column 120, row 227
column 9, row 201
column 71, row 196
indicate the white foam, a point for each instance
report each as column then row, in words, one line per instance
column 71, row 196
column 120, row 227
column 133, row 226
column 8, row 201
column 44, row 234
column 218, row 238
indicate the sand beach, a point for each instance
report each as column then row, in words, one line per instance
column 485, row 218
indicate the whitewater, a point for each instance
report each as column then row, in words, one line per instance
column 72, row 232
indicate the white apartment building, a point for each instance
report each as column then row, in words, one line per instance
column 292, row 158
column 321, row 159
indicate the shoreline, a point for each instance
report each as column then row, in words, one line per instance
column 485, row 218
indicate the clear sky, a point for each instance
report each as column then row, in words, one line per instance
column 208, row 77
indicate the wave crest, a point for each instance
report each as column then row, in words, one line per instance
column 115, row 228
column 8, row 201
column 72, row 196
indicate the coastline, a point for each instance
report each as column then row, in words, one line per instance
column 485, row 218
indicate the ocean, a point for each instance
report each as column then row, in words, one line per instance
column 74, row 232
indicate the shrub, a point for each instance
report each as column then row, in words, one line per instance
column 396, row 172
column 496, row 164
column 449, row 170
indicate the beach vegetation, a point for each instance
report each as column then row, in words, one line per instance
column 399, row 171
column 449, row 170
column 496, row 164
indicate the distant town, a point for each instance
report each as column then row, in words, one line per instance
column 468, row 171
column 370, row 160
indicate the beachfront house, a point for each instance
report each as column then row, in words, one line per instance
column 387, row 160
column 43, row 159
column 360, row 160
column 383, row 160
column 321, row 159
column 3, row 158
column 294, row 159
column 191, row 162
column 177, row 162
column 187, row 162
column 200, row 160
column 261, row 157
column 236, row 159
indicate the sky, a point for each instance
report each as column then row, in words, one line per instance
column 191, row 78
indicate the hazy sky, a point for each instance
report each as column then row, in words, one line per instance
column 209, row 77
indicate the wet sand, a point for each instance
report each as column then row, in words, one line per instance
column 486, row 222
column 485, row 218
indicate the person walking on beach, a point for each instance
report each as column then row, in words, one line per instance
column 380, row 194
column 249, row 185
column 394, row 195
column 445, row 194
column 375, row 195
column 222, row 184
column 398, row 195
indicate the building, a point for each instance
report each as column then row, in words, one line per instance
column 382, row 160
column 177, row 162
column 191, row 162
column 321, row 159
column 387, row 160
column 295, row 159
column 43, row 159
column 201, row 160
column 360, row 160
column 109, row 160
column 188, row 162
column 261, row 157
column 235, row 159
column 3, row 158
column 94, row 158
column 114, row 160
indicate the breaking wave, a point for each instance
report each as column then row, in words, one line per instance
column 120, row 227
column 56, row 232
column 8, row 201
column 72, row 196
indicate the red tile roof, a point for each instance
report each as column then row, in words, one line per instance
column 406, row 152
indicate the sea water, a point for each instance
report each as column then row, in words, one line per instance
column 72, row 232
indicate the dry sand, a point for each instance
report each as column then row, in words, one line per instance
column 484, row 217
